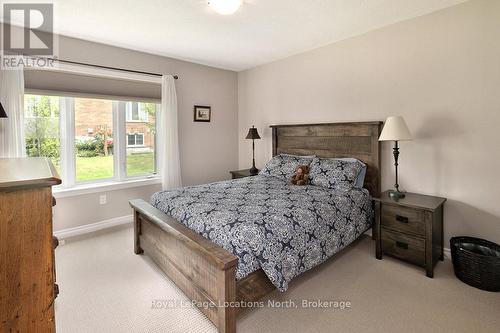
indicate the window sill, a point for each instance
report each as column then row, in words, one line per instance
column 61, row 192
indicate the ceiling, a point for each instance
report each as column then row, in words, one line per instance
column 261, row 31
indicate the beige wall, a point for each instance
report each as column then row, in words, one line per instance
column 440, row 71
column 208, row 150
column 85, row 209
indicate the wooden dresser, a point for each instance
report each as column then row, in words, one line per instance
column 410, row 229
column 27, row 277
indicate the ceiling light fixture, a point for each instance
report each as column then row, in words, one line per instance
column 225, row 7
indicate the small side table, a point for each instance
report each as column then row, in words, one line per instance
column 241, row 173
column 410, row 229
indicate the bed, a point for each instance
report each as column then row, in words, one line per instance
column 183, row 231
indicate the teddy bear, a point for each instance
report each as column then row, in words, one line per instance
column 301, row 176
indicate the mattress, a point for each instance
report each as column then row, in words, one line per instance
column 271, row 224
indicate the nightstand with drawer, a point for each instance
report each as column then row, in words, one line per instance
column 410, row 229
column 241, row 174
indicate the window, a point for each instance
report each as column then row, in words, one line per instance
column 41, row 106
column 135, row 140
column 91, row 139
column 41, row 128
column 137, row 112
column 141, row 141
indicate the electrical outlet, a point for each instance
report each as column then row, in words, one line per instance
column 102, row 199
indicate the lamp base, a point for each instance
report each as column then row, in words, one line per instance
column 396, row 195
column 254, row 171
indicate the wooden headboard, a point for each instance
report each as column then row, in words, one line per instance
column 354, row 139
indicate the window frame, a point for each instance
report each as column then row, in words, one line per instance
column 68, row 148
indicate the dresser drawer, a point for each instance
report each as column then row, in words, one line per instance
column 403, row 219
column 403, row 246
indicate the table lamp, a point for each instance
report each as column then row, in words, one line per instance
column 253, row 135
column 395, row 129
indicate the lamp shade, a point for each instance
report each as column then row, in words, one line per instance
column 253, row 134
column 3, row 114
column 395, row 129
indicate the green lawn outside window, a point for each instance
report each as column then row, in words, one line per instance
column 101, row 167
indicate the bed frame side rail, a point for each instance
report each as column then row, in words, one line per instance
column 204, row 271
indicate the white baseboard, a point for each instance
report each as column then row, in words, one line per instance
column 93, row 227
column 447, row 253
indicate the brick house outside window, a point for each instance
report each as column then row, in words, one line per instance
column 94, row 114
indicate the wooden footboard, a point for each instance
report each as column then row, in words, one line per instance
column 204, row 271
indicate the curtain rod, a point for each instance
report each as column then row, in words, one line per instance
column 176, row 77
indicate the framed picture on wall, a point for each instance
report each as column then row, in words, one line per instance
column 202, row 113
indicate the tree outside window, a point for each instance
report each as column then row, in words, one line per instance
column 42, row 127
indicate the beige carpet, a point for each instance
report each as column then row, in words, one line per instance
column 106, row 288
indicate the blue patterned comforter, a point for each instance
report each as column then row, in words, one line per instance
column 269, row 223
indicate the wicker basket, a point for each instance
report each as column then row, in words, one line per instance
column 476, row 262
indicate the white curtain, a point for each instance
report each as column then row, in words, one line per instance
column 170, row 166
column 12, row 98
